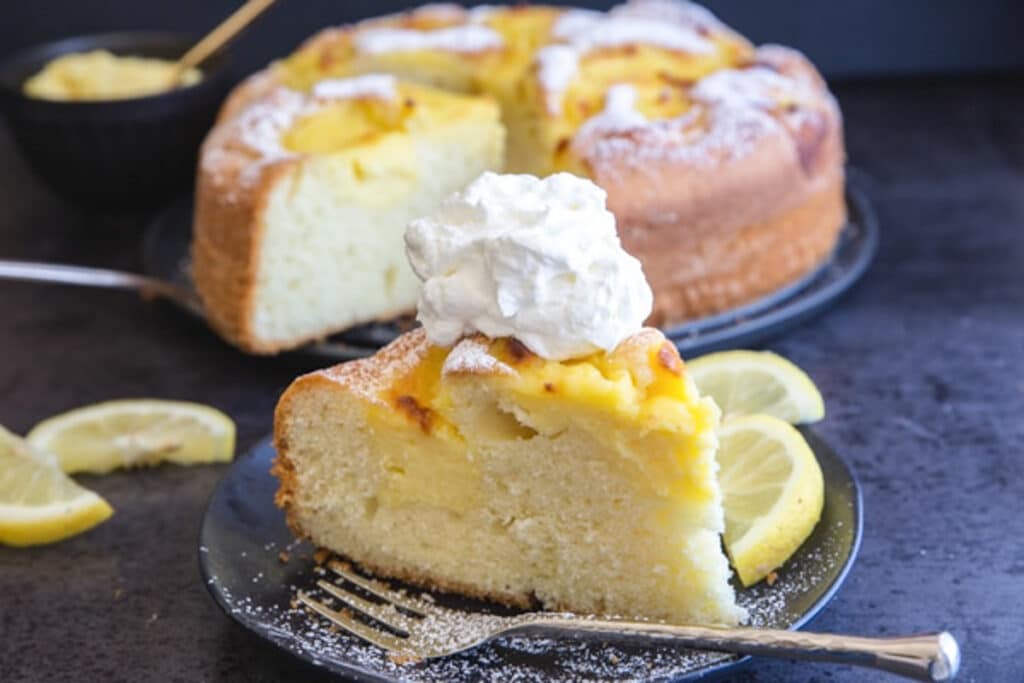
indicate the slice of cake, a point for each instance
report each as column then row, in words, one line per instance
column 564, row 458
column 303, row 198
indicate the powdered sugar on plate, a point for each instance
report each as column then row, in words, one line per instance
column 525, row 657
column 241, row 554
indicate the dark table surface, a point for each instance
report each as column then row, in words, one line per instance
column 921, row 367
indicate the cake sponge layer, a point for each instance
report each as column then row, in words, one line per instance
column 588, row 486
column 303, row 240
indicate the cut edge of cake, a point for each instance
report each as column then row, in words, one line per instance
column 612, row 581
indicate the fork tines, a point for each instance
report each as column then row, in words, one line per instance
column 395, row 612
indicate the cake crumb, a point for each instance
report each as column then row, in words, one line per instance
column 414, row 411
column 283, row 557
column 669, row 359
column 402, row 658
column 518, row 350
column 321, row 556
column 771, row 578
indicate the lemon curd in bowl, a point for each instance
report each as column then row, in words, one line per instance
column 112, row 155
column 102, row 75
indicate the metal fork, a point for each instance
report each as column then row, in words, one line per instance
column 417, row 629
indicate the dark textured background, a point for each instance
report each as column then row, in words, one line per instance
column 855, row 37
column 920, row 367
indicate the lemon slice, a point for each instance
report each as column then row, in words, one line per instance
column 39, row 503
column 772, row 491
column 132, row 433
column 757, row 382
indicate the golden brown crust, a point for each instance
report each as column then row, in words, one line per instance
column 367, row 378
column 740, row 219
column 227, row 238
column 241, row 164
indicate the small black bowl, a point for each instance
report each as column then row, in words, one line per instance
column 113, row 154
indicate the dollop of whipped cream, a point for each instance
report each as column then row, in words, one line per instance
column 530, row 258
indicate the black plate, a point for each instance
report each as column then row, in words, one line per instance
column 243, row 534
column 166, row 249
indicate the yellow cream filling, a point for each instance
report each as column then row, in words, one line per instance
column 101, row 75
column 647, row 408
column 538, row 140
column 364, row 122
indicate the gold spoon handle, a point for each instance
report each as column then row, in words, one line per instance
column 220, row 36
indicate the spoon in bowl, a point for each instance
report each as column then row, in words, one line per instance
column 225, row 32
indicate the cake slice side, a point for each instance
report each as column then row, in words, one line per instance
column 300, row 217
column 465, row 472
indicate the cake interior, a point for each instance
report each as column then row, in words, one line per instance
column 339, row 217
column 586, row 485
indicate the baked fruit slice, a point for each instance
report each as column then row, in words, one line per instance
column 303, row 199
column 588, row 485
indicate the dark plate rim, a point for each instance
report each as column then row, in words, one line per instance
column 356, row 673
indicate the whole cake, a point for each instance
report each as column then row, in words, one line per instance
column 723, row 162
column 531, row 442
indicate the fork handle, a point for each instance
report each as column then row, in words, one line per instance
column 59, row 273
column 933, row 657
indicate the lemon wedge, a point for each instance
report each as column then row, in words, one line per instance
column 133, row 433
column 757, row 382
column 39, row 503
column 772, row 491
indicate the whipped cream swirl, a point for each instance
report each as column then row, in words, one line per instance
column 530, row 258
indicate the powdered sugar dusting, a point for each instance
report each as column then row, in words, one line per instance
column 468, row 38
column 697, row 138
column 378, row 86
column 678, row 12
column 472, row 356
column 620, row 114
column 754, row 87
column 251, row 140
column 371, row 377
column 556, row 67
column 734, row 111
column 618, row 31
column 575, row 22
column 584, row 31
